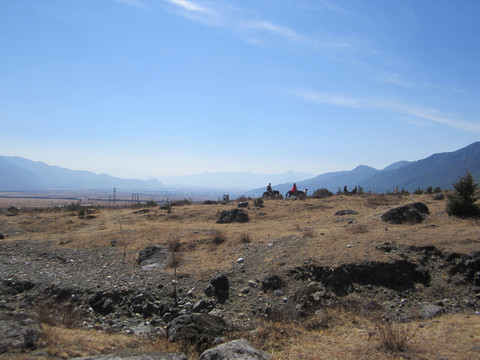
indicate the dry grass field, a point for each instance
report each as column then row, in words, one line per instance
column 281, row 235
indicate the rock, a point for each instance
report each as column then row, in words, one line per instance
column 439, row 197
column 234, row 215
column 322, row 193
column 415, row 212
column 234, row 350
column 18, row 331
column 153, row 257
column 221, row 286
column 430, row 311
column 196, row 328
column 146, row 356
column 200, row 305
column 272, row 282
column 242, row 204
column 2, row 236
column 12, row 211
column 346, row 212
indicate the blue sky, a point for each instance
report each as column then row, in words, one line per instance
column 141, row 88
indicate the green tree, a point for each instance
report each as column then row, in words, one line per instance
column 462, row 202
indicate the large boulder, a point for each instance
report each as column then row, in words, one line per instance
column 18, row 331
column 153, row 257
column 234, row 215
column 414, row 213
column 195, row 328
column 240, row 349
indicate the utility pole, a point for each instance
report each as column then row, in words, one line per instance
column 114, row 191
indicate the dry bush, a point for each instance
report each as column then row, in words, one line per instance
column 175, row 261
column 245, row 238
column 358, row 229
column 55, row 314
column 218, row 237
column 308, row 233
column 393, row 337
column 174, row 245
column 322, row 320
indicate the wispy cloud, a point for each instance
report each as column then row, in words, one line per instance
column 394, row 79
column 136, row 3
column 253, row 28
column 383, row 104
column 271, row 28
column 187, row 5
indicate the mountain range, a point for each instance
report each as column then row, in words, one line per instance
column 438, row 170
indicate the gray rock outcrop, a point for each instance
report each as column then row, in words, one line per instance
column 240, row 349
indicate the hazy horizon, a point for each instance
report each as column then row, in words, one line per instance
column 152, row 88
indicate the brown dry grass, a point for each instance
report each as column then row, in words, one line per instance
column 314, row 232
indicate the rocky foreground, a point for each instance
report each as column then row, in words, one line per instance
column 99, row 289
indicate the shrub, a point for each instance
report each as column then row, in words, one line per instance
column 418, row 191
column 429, row 190
column 219, row 237
column 393, row 337
column 245, row 238
column 258, row 202
column 462, row 202
column 151, row 203
column 437, row 190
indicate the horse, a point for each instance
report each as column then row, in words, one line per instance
column 297, row 194
column 271, row 194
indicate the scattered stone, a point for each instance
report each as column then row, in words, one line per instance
column 240, row 260
column 439, row 197
column 242, row 204
column 346, row 212
column 240, row 349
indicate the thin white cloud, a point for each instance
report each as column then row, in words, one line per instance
column 382, row 104
column 254, row 29
column 187, row 5
column 394, row 79
column 269, row 27
column 136, row 3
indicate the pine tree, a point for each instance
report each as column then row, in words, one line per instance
column 462, row 203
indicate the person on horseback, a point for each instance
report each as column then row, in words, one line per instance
column 294, row 188
column 269, row 188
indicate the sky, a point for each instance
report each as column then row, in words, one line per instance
column 145, row 88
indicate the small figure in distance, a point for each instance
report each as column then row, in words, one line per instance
column 395, row 191
column 294, row 188
column 269, row 188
